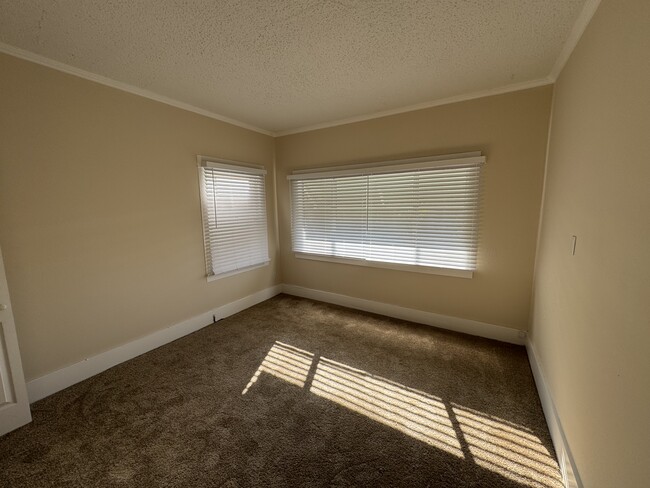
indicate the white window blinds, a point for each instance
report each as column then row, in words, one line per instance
column 422, row 212
column 234, row 217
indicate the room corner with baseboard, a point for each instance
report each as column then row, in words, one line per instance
column 324, row 244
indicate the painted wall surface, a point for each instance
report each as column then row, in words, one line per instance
column 511, row 130
column 100, row 221
column 591, row 314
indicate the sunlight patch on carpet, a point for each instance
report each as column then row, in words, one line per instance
column 411, row 412
column 285, row 362
column 511, row 451
column 506, row 448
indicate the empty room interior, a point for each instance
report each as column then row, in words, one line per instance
column 325, row 243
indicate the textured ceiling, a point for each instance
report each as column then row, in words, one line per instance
column 284, row 64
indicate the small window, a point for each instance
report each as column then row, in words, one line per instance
column 233, row 203
column 419, row 214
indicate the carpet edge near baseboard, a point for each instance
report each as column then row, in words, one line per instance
column 62, row 378
column 457, row 324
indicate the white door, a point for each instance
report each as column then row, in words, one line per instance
column 14, row 405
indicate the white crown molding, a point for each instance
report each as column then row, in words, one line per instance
column 581, row 23
column 66, row 68
column 466, row 326
column 419, row 106
column 60, row 379
column 577, row 30
column 103, row 80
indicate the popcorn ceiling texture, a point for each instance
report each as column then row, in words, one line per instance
column 284, row 64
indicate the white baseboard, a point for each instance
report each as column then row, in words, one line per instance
column 567, row 464
column 68, row 376
column 63, row 378
column 48, row 384
column 473, row 327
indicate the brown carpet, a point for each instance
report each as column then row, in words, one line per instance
column 294, row 392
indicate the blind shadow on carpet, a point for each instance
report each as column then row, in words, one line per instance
column 500, row 446
column 294, row 392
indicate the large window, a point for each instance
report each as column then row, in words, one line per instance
column 233, row 202
column 419, row 214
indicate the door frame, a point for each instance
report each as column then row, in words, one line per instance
column 14, row 411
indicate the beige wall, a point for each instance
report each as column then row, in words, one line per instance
column 100, row 220
column 511, row 130
column 101, row 231
column 591, row 319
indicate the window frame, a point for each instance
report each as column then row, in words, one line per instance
column 387, row 167
column 207, row 162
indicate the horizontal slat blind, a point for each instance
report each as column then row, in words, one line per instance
column 234, row 219
column 427, row 217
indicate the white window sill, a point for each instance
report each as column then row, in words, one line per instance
column 457, row 273
column 236, row 271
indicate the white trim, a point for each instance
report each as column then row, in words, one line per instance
column 525, row 85
column 540, row 218
column 581, row 23
column 14, row 402
column 578, row 29
column 103, row 80
column 51, row 383
column 63, row 378
column 381, row 167
column 414, row 268
column 372, row 164
column 211, row 278
column 230, row 165
column 570, row 475
column 466, row 326
column 233, row 169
